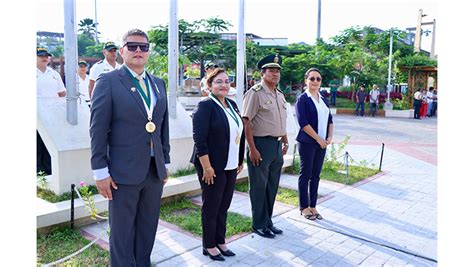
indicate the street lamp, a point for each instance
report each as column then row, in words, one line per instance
column 387, row 105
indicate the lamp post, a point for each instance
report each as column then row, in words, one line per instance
column 173, row 57
column 387, row 105
column 319, row 20
column 96, row 23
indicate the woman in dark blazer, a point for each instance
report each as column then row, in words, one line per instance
column 218, row 157
column 315, row 134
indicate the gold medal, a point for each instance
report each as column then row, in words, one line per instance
column 150, row 127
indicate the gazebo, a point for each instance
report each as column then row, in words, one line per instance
column 418, row 78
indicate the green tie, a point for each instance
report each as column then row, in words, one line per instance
column 142, row 84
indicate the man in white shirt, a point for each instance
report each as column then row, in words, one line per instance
column 430, row 100
column 83, row 79
column 48, row 81
column 107, row 64
column 374, row 100
column 48, row 84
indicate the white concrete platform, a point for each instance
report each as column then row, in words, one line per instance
column 48, row 214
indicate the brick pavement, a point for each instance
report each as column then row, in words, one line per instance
column 389, row 221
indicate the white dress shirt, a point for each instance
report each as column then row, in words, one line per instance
column 48, row 83
column 323, row 115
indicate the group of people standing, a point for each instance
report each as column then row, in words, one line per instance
column 220, row 131
column 130, row 149
column 361, row 96
column 425, row 103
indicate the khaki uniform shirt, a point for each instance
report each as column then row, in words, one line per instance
column 266, row 111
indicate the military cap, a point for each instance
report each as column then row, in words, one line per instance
column 42, row 51
column 82, row 62
column 270, row 61
column 211, row 65
column 109, row 45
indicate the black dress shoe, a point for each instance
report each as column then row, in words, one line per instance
column 217, row 257
column 264, row 232
column 275, row 230
column 227, row 253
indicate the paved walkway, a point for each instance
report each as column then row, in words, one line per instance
column 389, row 220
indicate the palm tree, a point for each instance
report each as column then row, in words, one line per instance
column 87, row 27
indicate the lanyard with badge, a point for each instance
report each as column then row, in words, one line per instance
column 232, row 114
column 149, row 126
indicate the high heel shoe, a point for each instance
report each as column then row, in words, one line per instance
column 217, row 257
column 310, row 216
column 227, row 253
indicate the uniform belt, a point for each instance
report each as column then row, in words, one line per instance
column 278, row 138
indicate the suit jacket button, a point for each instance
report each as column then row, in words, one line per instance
column 148, row 143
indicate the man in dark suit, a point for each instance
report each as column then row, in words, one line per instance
column 130, row 147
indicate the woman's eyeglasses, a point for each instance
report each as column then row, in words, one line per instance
column 132, row 46
column 221, row 82
column 315, row 78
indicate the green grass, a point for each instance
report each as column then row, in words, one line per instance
column 50, row 196
column 183, row 172
column 183, row 213
column 356, row 173
column 61, row 242
column 342, row 102
column 288, row 196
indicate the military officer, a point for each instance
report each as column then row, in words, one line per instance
column 264, row 116
column 107, row 64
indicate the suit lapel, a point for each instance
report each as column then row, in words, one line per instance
column 128, row 85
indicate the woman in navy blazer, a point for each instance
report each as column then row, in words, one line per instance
column 315, row 134
column 218, row 157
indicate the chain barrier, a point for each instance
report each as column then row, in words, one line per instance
column 86, row 246
column 75, row 253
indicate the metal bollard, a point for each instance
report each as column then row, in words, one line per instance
column 72, row 205
column 381, row 157
column 346, row 157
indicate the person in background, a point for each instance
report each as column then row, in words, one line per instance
column 109, row 63
column 435, row 103
column 218, row 155
column 333, row 90
column 315, row 134
column 429, row 96
column 209, row 67
column 374, row 99
column 424, row 104
column 264, row 115
column 48, row 84
column 417, row 97
column 48, row 81
column 83, row 79
column 360, row 101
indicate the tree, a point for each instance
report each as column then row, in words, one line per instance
column 199, row 40
column 88, row 28
column 83, row 42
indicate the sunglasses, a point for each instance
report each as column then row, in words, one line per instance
column 133, row 46
column 315, row 78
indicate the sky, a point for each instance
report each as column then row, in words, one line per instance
column 292, row 19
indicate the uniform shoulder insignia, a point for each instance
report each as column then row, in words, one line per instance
column 100, row 61
column 279, row 90
column 257, row 87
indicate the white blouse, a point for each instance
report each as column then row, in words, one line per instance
column 236, row 132
column 323, row 115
